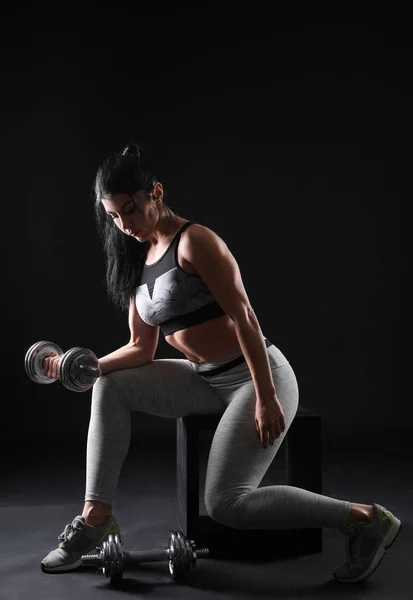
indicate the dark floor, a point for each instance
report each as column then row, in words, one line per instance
column 37, row 500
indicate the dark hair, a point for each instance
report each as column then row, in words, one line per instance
column 127, row 171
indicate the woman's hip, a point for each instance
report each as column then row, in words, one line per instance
column 234, row 368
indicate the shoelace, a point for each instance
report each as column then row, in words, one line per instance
column 70, row 530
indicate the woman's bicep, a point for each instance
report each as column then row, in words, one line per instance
column 142, row 335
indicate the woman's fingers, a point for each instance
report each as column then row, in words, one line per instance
column 268, row 435
column 51, row 365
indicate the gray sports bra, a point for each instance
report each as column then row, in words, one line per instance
column 171, row 298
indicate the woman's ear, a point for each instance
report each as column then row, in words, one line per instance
column 158, row 191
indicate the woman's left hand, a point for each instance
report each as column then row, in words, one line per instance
column 269, row 419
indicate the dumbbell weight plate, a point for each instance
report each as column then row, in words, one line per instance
column 73, row 369
column 181, row 555
column 112, row 558
column 33, row 361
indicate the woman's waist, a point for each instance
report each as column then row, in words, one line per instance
column 207, row 342
column 229, row 361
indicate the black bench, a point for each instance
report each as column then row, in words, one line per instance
column 300, row 457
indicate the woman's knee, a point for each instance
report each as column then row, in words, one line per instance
column 221, row 511
column 104, row 382
column 213, row 507
column 103, row 385
column 105, row 392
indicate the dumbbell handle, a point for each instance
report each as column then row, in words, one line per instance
column 138, row 556
column 145, row 555
column 156, row 555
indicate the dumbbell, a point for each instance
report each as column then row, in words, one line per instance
column 111, row 560
column 78, row 369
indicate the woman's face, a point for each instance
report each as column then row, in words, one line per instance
column 135, row 215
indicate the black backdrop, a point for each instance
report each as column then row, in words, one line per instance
column 287, row 135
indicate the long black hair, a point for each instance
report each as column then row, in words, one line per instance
column 127, row 171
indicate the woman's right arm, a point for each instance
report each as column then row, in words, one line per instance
column 139, row 351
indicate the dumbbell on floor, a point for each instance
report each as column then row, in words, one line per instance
column 78, row 369
column 111, row 560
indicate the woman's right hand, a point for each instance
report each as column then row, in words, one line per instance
column 51, row 365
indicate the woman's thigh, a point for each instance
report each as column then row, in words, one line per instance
column 165, row 388
column 237, row 461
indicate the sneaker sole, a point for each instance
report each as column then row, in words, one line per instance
column 384, row 546
column 61, row 568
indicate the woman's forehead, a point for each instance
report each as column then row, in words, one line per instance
column 117, row 200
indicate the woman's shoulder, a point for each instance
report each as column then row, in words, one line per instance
column 199, row 234
column 200, row 239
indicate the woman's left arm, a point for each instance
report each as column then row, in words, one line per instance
column 217, row 267
column 253, row 347
column 213, row 262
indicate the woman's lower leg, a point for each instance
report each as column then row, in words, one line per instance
column 96, row 512
column 107, row 447
column 360, row 513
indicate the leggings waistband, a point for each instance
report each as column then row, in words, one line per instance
column 229, row 365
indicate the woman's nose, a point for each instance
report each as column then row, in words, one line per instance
column 127, row 227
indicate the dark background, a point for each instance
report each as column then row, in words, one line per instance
column 284, row 131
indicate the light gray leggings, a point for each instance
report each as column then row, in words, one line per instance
column 237, row 461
